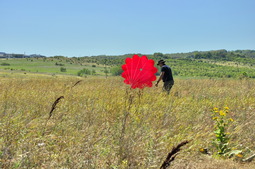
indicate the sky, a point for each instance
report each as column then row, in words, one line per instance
column 115, row 27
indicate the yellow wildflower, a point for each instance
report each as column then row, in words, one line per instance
column 222, row 113
column 124, row 162
column 231, row 119
column 215, row 109
column 239, row 155
column 214, row 118
column 203, row 150
column 226, row 108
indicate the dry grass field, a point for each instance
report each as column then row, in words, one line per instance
column 101, row 123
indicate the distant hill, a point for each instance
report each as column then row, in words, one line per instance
column 221, row 54
column 215, row 63
column 212, row 64
column 240, row 56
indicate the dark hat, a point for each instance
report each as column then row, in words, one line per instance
column 161, row 61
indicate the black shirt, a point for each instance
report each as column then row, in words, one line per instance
column 168, row 73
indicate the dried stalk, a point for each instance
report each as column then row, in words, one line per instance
column 54, row 105
column 76, row 83
column 171, row 156
column 249, row 159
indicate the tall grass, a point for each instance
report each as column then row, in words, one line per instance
column 101, row 123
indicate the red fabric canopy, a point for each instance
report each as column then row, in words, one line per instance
column 139, row 72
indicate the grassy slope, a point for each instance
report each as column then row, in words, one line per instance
column 207, row 68
column 181, row 67
column 86, row 129
column 47, row 66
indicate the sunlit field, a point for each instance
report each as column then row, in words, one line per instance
column 101, row 123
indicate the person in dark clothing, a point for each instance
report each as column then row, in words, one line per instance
column 166, row 76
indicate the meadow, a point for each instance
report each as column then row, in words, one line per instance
column 101, row 123
column 50, row 66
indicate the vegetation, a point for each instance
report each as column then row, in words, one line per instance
column 5, row 64
column 50, row 117
column 84, row 72
column 48, row 66
column 220, row 64
column 201, row 68
column 59, row 64
column 116, row 71
column 221, row 122
column 67, row 122
column 62, row 69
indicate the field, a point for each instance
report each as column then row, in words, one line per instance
column 48, row 65
column 100, row 123
column 237, row 64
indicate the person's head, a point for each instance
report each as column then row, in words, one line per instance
column 161, row 63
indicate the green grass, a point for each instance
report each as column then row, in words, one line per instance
column 47, row 66
column 182, row 67
column 207, row 68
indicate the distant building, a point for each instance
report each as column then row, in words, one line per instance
column 36, row 55
column 2, row 55
column 18, row 55
column 14, row 55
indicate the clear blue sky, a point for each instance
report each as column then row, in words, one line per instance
column 112, row 27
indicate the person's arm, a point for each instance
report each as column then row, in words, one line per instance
column 160, row 78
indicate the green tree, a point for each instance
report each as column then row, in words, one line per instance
column 158, row 55
column 93, row 72
column 116, row 71
column 106, row 72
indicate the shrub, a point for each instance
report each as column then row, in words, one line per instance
column 5, row 64
column 93, row 72
column 62, row 69
column 116, row 71
column 84, row 72
column 59, row 64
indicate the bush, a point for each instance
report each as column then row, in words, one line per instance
column 5, row 64
column 59, row 64
column 116, row 71
column 93, row 72
column 62, row 69
column 84, row 72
